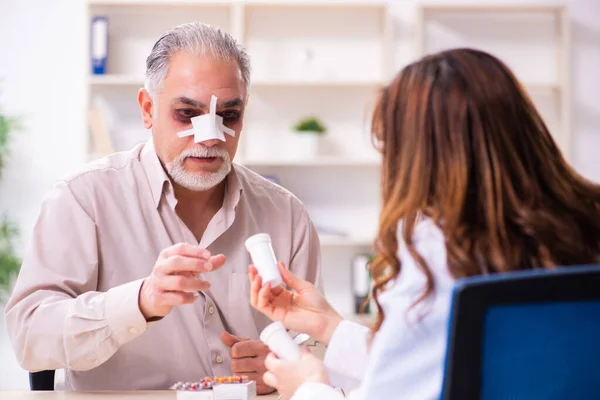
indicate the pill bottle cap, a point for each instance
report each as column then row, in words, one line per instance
column 258, row 238
column 270, row 330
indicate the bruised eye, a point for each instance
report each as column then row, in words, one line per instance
column 230, row 117
column 185, row 114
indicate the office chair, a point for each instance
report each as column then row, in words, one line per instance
column 42, row 380
column 525, row 335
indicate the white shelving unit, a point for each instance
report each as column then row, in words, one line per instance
column 532, row 39
column 327, row 59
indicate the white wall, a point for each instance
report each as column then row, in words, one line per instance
column 43, row 70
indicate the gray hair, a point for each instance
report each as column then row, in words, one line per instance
column 193, row 38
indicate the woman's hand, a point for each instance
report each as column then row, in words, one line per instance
column 287, row 376
column 302, row 310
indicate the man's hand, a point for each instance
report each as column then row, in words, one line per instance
column 175, row 278
column 248, row 358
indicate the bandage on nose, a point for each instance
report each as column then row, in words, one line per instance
column 208, row 126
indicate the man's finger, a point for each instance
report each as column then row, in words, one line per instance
column 247, row 365
column 228, row 339
column 217, row 261
column 261, row 386
column 185, row 249
column 178, row 298
column 249, row 348
column 177, row 264
column 182, row 283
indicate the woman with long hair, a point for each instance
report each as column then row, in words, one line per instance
column 472, row 183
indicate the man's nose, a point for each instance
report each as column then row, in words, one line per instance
column 210, row 142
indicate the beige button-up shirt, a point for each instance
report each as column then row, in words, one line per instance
column 98, row 235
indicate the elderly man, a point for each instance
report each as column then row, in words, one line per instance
column 136, row 276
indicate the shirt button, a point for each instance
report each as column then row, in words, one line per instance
column 133, row 330
column 211, row 310
column 219, row 359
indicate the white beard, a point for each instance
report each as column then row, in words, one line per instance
column 199, row 181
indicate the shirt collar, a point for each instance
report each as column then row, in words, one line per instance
column 160, row 184
column 157, row 177
column 233, row 190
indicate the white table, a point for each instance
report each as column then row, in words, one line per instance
column 101, row 395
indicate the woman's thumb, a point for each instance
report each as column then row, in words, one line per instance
column 292, row 280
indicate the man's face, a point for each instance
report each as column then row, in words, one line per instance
column 190, row 83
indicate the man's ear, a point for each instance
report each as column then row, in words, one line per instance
column 146, row 107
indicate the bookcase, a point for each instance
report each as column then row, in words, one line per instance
column 532, row 39
column 326, row 59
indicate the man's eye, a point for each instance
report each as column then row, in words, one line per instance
column 186, row 113
column 230, row 117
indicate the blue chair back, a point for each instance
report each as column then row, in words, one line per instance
column 525, row 335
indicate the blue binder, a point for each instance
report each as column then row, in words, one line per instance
column 99, row 44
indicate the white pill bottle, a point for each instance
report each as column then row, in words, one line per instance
column 263, row 257
column 276, row 337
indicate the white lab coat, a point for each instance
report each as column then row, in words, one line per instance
column 405, row 360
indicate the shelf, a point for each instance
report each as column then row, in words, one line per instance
column 506, row 8
column 136, row 80
column 318, row 83
column 344, row 4
column 250, row 3
column 186, row 3
column 342, row 241
column 317, row 162
column 116, row 80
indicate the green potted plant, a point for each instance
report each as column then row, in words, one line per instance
column 9, row 262
column 308, row 132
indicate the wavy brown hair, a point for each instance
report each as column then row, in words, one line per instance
column 463, row 145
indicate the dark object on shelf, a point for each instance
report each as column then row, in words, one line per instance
column 99, row 45
column 361, row 282
column 42, row 380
